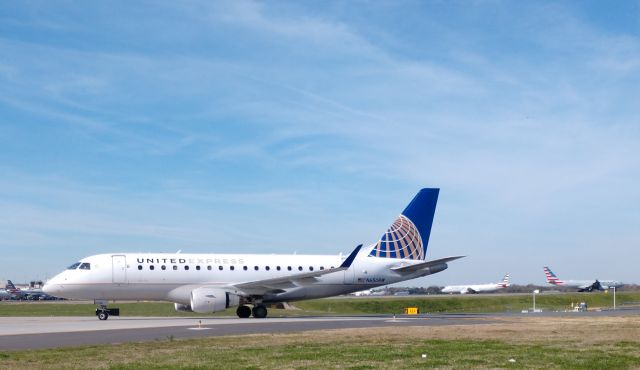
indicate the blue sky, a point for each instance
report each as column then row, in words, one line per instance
column 283, row 127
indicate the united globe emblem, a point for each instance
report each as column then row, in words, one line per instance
column 402, row 240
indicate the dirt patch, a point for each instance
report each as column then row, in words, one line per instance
column 549, row 330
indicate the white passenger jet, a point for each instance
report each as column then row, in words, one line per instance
column 581, row 285
column 477, row 288
column 208, row 283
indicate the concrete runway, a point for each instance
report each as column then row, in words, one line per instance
column 20, row 333
column 48, row 332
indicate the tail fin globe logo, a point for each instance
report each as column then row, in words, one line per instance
column 408, row 237
column 402, row 240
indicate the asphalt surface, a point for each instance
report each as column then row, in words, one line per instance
column 19, row 333
column 22, row 333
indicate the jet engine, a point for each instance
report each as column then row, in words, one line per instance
column 434, row 269
column 207, row 300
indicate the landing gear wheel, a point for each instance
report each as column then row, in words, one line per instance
column 259, row 312
column 243, row 312
column 103, row 315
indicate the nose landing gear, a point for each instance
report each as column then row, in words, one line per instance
column 103, row 312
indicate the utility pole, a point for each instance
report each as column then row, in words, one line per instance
column 614, row 298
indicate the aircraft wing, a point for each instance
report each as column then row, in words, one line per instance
column 409, row 268
column 279, row 284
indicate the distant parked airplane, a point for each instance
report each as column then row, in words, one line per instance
column 477, row 288
column 4, row 294
column 582, row 285
column 23, row 293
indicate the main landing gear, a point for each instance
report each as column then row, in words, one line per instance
column 243, row 312
column 103, row 312
column 259, row 311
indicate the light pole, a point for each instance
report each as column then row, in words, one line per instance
column 534, row 299
column 614, row 298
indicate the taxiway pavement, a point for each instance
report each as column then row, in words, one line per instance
column 20, row 333
column 49, row 332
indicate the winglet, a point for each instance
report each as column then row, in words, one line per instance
column 351, row 257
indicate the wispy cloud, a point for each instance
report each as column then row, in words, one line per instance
column 179, row 128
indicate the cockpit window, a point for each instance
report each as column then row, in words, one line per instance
column 85, row 266
column 74, row 266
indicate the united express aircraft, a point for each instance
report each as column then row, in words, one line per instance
column 208, row 283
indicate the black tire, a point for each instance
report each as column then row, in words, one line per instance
column 259, row 312
column 103, row 315
column 243, row 312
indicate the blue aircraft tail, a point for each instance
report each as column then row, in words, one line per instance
column 408, row 237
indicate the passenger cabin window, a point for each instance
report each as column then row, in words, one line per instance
column 163, row 267
column 321, row 267
column 198, row 268
column 209, row 268
column 310, row 268
column 267, row 268
column 186, row 268
column 255, row 268
column 85, row 266
column 232, row 268
column 289, row 268
column 175, row 267
column 244, row 268
column 151, row 267
column 278, row 268
column 299, row 268
column 74, row 266
column 139, row 267
column 220, row 267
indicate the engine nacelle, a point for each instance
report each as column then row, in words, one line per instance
column 435, row 269
column 207, row 300
column 182, row 307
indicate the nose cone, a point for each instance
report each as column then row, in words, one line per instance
column 53, row 287
column 49, row 289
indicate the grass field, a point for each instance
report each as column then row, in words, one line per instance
column 373, row 305
column 468, row 303
column 523, row 343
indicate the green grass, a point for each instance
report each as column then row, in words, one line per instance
column 374, row 305
column 299, row 351
column 467, row 303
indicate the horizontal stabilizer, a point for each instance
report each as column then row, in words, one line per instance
column 406, row 268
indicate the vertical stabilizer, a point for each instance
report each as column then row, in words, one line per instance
column 551, row 277
column 408, row 236
column 505, row 282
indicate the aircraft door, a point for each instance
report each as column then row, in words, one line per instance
column 119, row 269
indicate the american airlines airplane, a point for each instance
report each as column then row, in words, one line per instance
column 581, row 285
column 208, row 283
column 477, row 288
